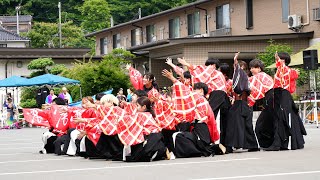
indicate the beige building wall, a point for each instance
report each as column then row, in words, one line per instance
column 16, row 44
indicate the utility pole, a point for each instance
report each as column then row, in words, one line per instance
column 60, row 36
column 18, row 9
column 139, row 13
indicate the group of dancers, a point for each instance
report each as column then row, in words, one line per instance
column 206, row 114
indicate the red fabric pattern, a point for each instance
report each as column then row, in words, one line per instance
column 184, row 103
column 205, row 114
column 165, row 115
column 285, row 77
column 130, row 130
column 130, row 108
column 75, row 112
column 229, row 87
column 108, row 124
column 58, row 119
column 259, row 85
column 36, row 117
column 136, row 78
column 208, row 75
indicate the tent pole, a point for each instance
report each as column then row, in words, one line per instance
column 80, row 92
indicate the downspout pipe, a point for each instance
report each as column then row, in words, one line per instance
column 308, row 15
column 6, row 72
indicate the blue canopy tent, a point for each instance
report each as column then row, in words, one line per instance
column 49, row 79
column 14, row 82
column 78, row 103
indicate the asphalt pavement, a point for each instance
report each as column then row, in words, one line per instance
column 20, row 159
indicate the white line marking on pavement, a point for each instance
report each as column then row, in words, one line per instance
column 10, row 140
column 39, row 160
column 120, row 167
column 13, row 154
column 20, row 143
column 39, row 147
column 261, row 175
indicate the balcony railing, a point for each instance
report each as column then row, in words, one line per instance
column 316, row 14
column 221, row 32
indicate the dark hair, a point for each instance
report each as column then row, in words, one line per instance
column 59, row 101
column 9, row 100
column 244, row 65
column 150, row 77
column 141, row 93
column 225, row 69
column 212, row 61
column 187, row 75
column 285, row 56
column 144, row 101
column 202, row 86
column 256, row 63
column 99, row 96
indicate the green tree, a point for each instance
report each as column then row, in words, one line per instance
column 42, row 65
column 126, row 10
column 267, row 57
column 44, row 35
column 95, row 15
column 97, row 77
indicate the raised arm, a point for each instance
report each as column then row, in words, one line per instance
column 177, row 69
column 135, row 77
column 169, row 75
column 184, row 62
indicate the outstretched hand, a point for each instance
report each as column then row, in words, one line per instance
column 169, row 75
column 169, row 61
column 235, row 59
column 276, row 56
column 128, row 66
column 182, row 61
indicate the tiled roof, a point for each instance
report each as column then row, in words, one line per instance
column 6, row 35
column 12, row 19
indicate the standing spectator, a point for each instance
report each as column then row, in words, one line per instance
column 121, row 96
column 65, row 95
column 10, row 110
column 50, row 97
column 129, row 96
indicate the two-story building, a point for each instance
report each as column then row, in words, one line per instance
column 10, row 23
column 213, row 28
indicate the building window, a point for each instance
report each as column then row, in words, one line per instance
column 194, row 23
column 249, row 14
column 136, row 37
column 174, row 28
column 151, row 37
column 3, row 45
column 116, row 41
column 285, row 10
column 103, row 46
column 222, row 16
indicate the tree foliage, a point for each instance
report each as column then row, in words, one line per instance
column 267, row 57
column 44, row 35
column 97, row 77
column 45, row 66
column 40, row 64
column 96, row 15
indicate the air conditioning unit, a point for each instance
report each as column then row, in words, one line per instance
column 294, row 21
